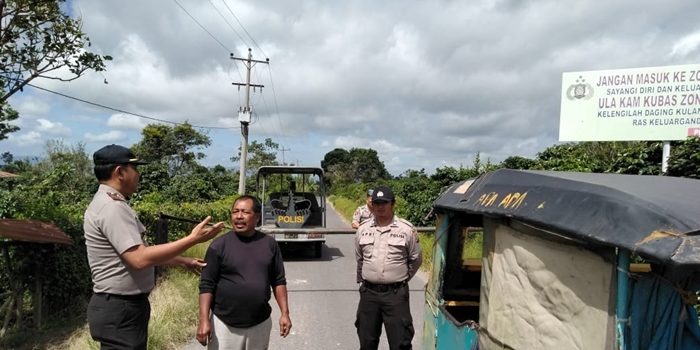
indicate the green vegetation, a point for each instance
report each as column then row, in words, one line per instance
column 472, row 245
column 39, row 40
column 174, row 310
column 344, row 206
column 427, row 243
column 58, row 187
column 357, row 166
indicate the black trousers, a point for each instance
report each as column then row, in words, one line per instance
column 119, row 322
column 390, row 307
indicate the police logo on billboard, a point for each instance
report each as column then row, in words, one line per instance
column 579, row 91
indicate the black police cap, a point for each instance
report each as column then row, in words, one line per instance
column 382, row 194
column 115, row 154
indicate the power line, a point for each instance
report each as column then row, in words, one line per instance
column 274, row 98
column 241, row 24
column 229, row 24
column 125, row 112
column 205, row 29
column 284, row 150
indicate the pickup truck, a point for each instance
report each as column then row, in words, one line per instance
column 291, row 213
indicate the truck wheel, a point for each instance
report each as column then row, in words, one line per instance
column 318, row 249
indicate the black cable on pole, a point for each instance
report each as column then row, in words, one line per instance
column 205, row 29
column 125, row 112
column 274, row 98
column 241, row 24
column 229, row 24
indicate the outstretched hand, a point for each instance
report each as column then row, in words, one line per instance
column 204, row 232
column 194, row 265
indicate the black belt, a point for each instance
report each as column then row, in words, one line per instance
column 142, row 296
column 383, row 287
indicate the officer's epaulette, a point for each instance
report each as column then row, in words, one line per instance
column 405, row 221
column 116, row 196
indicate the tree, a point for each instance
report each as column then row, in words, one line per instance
column 416, row 193
column 334, row 157
column 567, row 157
column 518, row 162
column 597, row 157
column 638, row 158
column 56, row 188
column 37, row 39
column 171, row 151
column 7, row 114
column 201, row 184
column 367, row 166
column 359, row 165
column 259, row 154
column 685, row 158
column 173, row 146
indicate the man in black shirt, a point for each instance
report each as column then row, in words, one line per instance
column 242, row 267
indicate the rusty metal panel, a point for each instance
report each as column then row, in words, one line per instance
column 32, row 231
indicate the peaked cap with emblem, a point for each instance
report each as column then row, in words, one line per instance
column 115, row 154
column 382, row 194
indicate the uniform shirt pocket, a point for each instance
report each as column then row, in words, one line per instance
column 396, row 247
column 367, row 245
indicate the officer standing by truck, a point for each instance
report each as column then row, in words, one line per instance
column 364, row 212
column 388, row 255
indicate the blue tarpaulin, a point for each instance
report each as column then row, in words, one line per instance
column 659, row 318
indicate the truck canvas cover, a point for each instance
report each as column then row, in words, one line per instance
column 657, row 217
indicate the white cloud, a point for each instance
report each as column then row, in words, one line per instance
column 126, row 121
column 32, row 107
column 31, row 138
column 686, row 45
column 111, row 136
column 52, row 128
column 379, row 145
column 425, row 83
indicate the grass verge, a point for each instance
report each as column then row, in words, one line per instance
column 345, row 207
column 174, row 310
column 427, row 241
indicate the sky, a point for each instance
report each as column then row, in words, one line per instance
column 425, row 83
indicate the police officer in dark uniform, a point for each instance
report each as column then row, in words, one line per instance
column 388, row 256
column 121, row 263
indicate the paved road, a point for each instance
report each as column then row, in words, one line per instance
column 323, row 297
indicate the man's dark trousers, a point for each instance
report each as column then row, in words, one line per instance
column 389, row 306
column 119, row 322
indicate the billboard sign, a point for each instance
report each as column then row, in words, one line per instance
column 653, row 103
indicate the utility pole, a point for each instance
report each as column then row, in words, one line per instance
column 244, row 113
column 283, row 150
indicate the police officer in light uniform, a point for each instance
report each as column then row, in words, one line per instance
column 120, row 261
column 388, row 256
column 364, row 212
